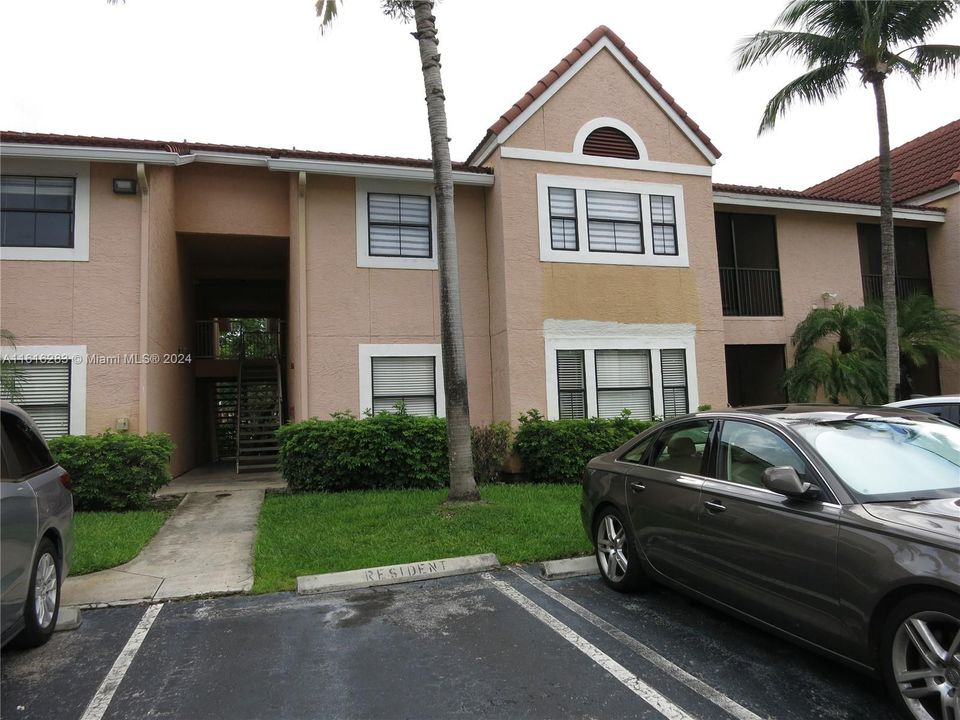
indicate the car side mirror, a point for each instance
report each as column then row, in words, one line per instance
column 784, row 480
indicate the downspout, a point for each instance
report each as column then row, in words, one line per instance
column 302, row 293
column 144, row 292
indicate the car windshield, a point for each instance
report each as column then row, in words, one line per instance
column 883, row 459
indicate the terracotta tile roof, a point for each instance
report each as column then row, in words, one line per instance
column 926, row 163
column 804, row 195
column 561, row 67
column 188, row 148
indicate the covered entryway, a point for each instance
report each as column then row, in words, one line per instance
column 755, row 374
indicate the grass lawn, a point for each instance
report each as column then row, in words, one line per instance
column 106, row 539
column 327, row 532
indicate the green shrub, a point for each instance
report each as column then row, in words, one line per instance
column 490, row 445
column 557, row 451
column 382, row 451
column 114, row 471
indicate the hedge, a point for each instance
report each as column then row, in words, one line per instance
column 557, row 451
column 114, row 471
column 382, row 451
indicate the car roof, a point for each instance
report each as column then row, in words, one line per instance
column 928, row 400
column 790, row 414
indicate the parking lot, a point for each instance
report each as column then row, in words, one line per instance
column 502, row 644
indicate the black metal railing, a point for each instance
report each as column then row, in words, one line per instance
column 230, row 340
column 750, row 291
column 906, row 286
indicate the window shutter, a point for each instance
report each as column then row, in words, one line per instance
column 571, row 384
column 43, row 391
column 673, row 369
column 410, row 379
column 610, row 142
column 624, row 381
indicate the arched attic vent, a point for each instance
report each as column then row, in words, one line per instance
column 610, row 142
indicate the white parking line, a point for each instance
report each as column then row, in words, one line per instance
column 660, row 703
column 648, row 654
column 101, row 700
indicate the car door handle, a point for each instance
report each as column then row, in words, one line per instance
column 714, row 506
column 637, row 487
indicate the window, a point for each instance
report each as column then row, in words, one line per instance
column 681, row 449
column 407, row 380
column 746, row 450
column 664, row 222
column 42, row 390
column 399, row 225
column 23, row 452
column 396, row 224
column 45, row 209
column 37, row 211
column 637, row 453
column 624, row 383
column 749, row 264
column 571, row 384
column 610, row 142
column 913, row 261
column 617, row 218
column 563, row 219
column 673, row 374
column 614, row 222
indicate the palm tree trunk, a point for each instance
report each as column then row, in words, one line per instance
column 462, row 484
column 888, row 255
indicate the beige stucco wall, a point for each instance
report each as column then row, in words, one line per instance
column 93, row 303
column 170, row 386
column 348, row 306
column 229, row 200
column 943, row 243
column 603, row 88
column 295, row 363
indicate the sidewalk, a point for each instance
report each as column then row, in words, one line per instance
column 206, row 547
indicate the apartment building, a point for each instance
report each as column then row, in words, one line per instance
column 600, row 268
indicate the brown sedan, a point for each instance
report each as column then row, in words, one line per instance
column 835, row 527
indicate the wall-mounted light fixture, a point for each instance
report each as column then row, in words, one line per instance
column 125, row 186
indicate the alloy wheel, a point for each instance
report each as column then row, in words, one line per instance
column 925, row 657
column 45, row 590
column 611, row 549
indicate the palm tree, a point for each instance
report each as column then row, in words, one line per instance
column 462, row 484
column 862, row 35
column 925, row 330
column 849, row 369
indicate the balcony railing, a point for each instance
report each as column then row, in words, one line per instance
column 750, row 291
column 226, row 340
column 906, row 286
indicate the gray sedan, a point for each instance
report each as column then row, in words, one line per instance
column 36, row 531
column 835, row 527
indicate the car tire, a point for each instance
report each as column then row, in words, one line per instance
column 40, row 618
column 616, row 553
column 920, row 656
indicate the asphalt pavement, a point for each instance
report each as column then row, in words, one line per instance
column 502, row 644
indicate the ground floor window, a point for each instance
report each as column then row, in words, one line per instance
column 42, row 390
column 404, row 375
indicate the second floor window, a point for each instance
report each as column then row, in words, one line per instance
column 749, row 264
column 399, row 225
column 913, row 261
column 37, row 211
column 563, row 219
column 614, row 222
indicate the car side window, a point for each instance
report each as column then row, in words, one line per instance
column 938, row 410
column 24, row 450
column 681, row 448
column 637, row 452
column 746, row 450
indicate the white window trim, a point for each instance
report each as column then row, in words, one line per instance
column 601, row 122
column 364, row 258
column 590, row 336
column 584, row 254
column 80, row 252
column 77, row 355
column 368, row 352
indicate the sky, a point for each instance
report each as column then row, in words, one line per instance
column 261, row 73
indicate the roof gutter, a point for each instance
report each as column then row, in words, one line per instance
column 391, row 172
column 76, row 152
column 823, row 206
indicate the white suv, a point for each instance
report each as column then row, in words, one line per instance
column 944, row 406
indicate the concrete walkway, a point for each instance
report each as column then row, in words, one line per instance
column 221, row 477
column 205, row 548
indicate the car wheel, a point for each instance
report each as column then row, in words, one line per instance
column 921, row 656
column 616, row 556
column 43, row 597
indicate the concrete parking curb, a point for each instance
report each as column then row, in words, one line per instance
column 393, row 574
column 569, row 567
column 68, row 619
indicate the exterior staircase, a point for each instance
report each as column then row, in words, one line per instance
column 258, row 415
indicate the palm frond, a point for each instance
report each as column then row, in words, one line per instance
column 809, row 47
column 327, row 12
column 909, row 21
column 814, row 86
column 936, row 58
